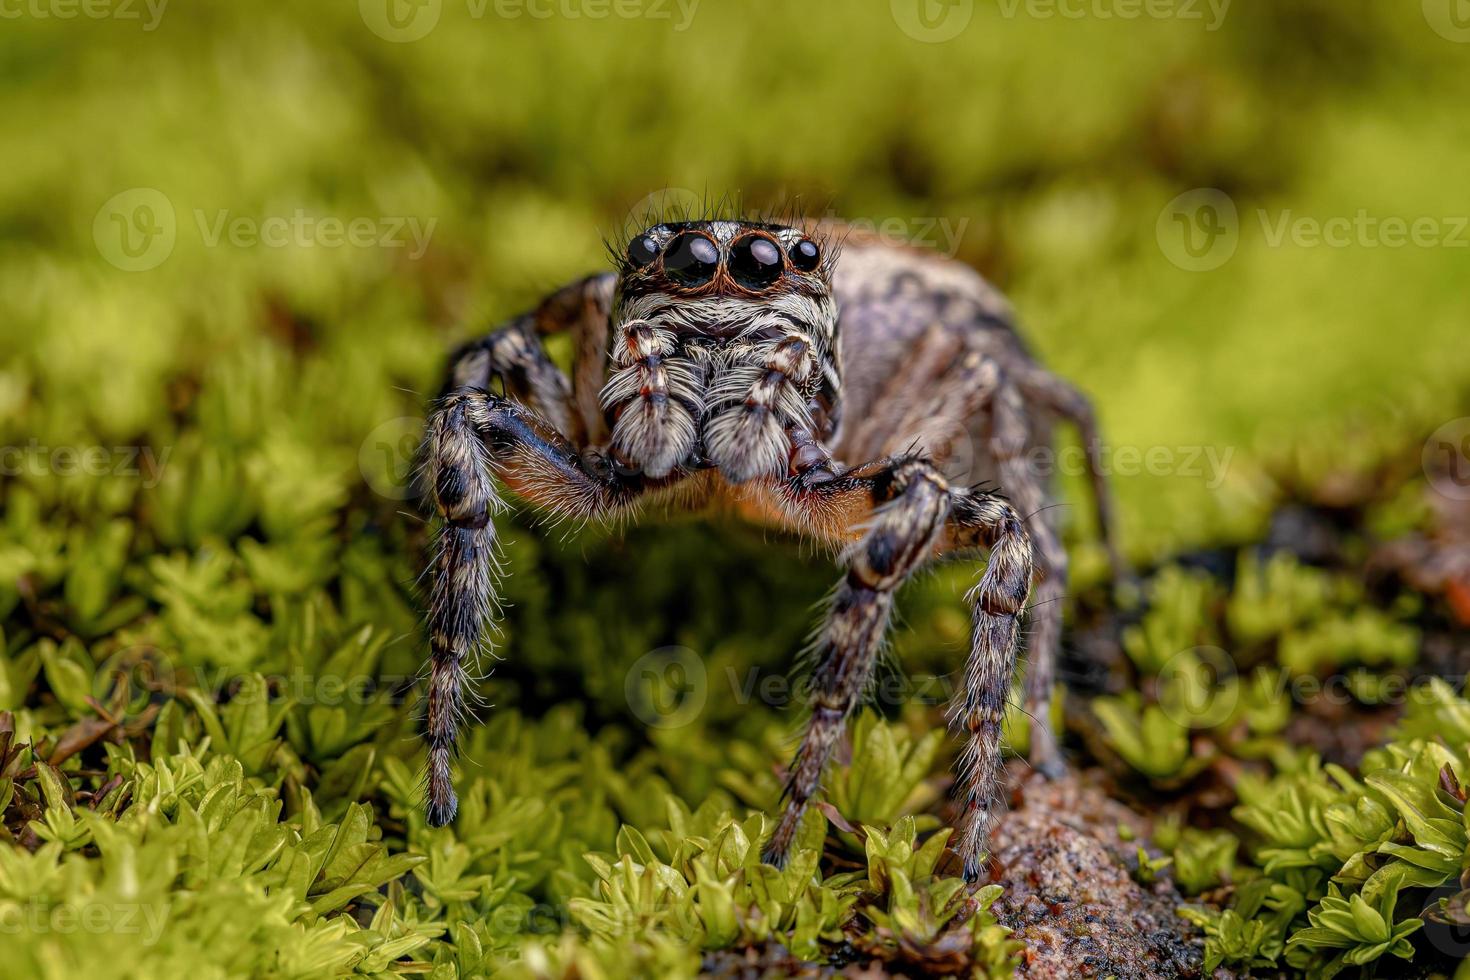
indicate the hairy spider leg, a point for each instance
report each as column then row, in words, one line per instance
column 474, row 439
column 912, row 514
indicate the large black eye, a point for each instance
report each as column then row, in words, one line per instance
column 755, row 262
column 691, row 259
column 642, row 250
column 805, row 255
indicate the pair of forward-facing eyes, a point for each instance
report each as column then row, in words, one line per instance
column 755, row 260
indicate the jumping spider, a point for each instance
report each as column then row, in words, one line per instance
column 742, row 366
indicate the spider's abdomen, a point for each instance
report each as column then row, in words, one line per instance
column 922, row 339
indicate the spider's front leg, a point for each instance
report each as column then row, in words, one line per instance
column 908, row 512
column 474, row 440
column 983, row 519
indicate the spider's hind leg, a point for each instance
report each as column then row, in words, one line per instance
column 1008, row 437
column 1075, row 407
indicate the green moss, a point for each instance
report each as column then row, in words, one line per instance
column 1346, row 862
column 208, row 633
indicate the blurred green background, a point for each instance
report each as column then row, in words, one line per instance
column 518, row 135
column 237, row 240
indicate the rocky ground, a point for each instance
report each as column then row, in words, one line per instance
column 1072, row 894
column 1067, row 856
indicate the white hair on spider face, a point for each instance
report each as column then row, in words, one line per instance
column 723, row 349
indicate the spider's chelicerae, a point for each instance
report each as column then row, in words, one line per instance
column 745, row 366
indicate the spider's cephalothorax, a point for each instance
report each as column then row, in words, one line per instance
column 723, row 350
column 741, row 365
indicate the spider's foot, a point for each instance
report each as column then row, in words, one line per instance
column 441, row 812
column 778, row 848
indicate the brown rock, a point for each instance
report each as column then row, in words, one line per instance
column 1070, row 895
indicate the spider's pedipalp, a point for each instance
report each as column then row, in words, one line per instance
column 760, row 395
column 656, row 395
